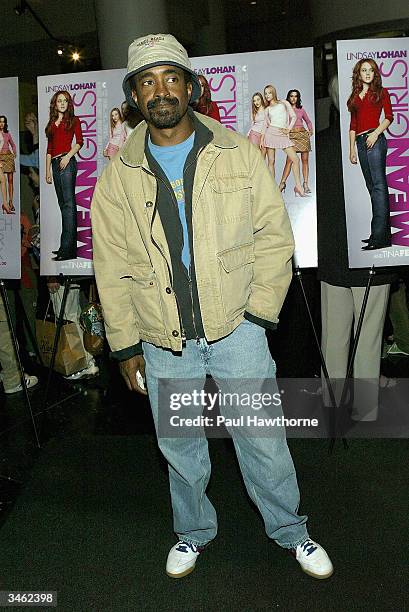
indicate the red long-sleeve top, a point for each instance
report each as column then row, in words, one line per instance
column 60, row 139
column 367, row 112
column 213, row 112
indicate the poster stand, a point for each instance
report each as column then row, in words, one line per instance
column 337, row 425
column 334, row 407
column 357, row 334
column 20, row 309
column 67, row 281
column 19, row 362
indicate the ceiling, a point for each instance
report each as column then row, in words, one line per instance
column 65, row 20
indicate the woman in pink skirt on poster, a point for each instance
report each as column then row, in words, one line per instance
column 300, row 136
column 279, row 120
column 258, row 116
column 7, row 157
column 117, row 134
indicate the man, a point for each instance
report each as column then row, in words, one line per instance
column 196, row 271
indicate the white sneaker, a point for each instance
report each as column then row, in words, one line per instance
column 182, row 559
column 89, row 372
column 31, row 381
column 313, row 559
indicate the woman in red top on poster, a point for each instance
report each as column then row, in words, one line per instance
column 205, row 104
column 366, row 102
column 61, row 128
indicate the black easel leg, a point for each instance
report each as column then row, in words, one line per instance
column 27, row 326
column 372, row 273
column 20, row 365
column 57, row 337
column 334, row 407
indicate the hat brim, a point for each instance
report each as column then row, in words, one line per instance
column 126, row 86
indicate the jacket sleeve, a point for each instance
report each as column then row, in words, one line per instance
column 111, row 265
column 273, row 246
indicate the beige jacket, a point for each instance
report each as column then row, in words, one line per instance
column 242, row 243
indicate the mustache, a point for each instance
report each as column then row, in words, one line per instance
column 161, row 100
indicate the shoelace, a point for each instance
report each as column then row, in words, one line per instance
column 308, row 547
column 183, row 546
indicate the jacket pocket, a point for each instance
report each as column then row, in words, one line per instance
column 146, row 299
column 231, row 198
column 236, row 274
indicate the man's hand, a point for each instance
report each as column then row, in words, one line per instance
column 129, row 368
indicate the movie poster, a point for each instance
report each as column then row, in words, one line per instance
column 93, row 101
column 376, row 166
column 245, row 87
column 238, row 86
column 10, row 249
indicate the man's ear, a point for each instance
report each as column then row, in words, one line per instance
column 189, row 88
column 134, row 96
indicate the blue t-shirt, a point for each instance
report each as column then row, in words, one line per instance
column 172, row 161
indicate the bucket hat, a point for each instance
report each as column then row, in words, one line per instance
column 157, row 50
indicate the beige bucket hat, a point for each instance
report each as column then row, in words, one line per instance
column 157, row 50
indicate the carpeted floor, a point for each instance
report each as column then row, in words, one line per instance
column 94, row 524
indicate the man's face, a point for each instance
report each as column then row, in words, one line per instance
column 162, row 95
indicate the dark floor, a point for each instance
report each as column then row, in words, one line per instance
column 70, row 523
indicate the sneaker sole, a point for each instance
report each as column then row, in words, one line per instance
column 182, row 574
column 318, row 576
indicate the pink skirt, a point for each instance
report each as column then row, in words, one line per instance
column 111, row 150
column 275, row 139
column 255, row 137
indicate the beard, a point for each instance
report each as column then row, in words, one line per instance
column 164, row 113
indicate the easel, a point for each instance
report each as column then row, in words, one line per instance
column 19, row 307
column 67, row 281
column 18, row 358
column 336, row 424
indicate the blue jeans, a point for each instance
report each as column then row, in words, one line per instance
column 373, row 165
column 265, row 463
column 64, row 183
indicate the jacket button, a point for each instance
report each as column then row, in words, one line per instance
column 149, row 204
column 175, row 333
column 168, row 290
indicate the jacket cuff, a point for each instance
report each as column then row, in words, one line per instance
column 127, row 353
column 261, row 322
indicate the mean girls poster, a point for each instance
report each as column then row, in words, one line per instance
column 268, row 96
column 10, row 228
column 374, row 102
column 83, row 122
column 80, row 120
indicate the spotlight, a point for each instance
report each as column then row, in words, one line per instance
column 60, row 51
column 75, row 56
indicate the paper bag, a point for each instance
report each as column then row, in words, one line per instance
column 70, row 356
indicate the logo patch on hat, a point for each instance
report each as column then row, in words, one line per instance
column 150, row 42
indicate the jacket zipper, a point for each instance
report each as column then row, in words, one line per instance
column 163, row 255
column 189, row 271
column 190, row 265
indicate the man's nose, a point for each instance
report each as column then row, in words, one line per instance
column 162, row 89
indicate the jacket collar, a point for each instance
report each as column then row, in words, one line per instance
column 207, row 130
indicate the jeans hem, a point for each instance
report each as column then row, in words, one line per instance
column 194, row 542
column 294, row 545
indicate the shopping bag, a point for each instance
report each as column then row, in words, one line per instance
column 92, row 323
column 70, row 356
